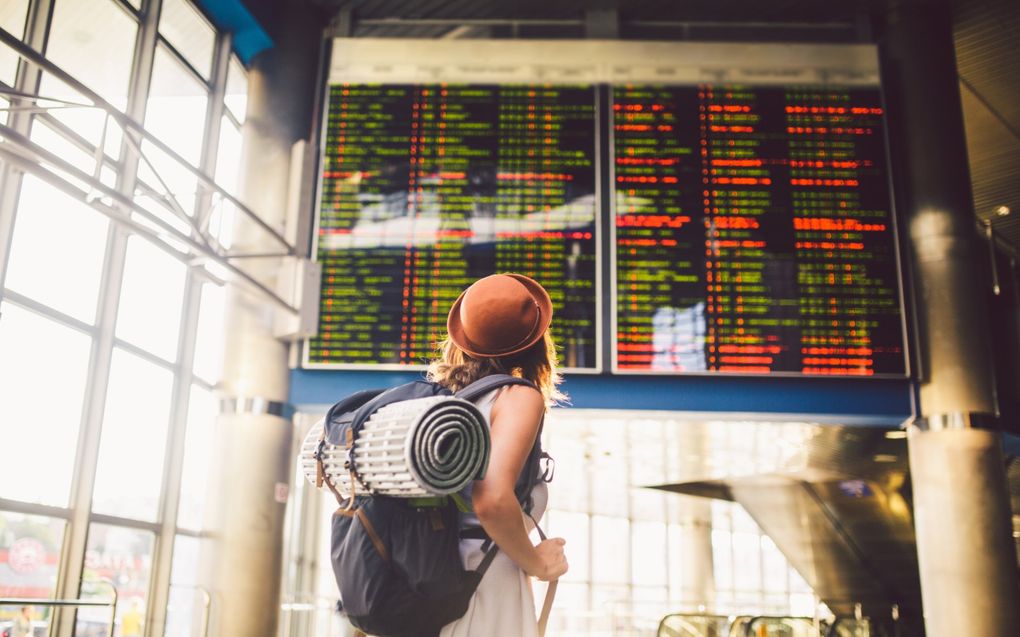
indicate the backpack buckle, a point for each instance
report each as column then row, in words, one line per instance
column 547, row 467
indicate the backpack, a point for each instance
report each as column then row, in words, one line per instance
column 397, row 560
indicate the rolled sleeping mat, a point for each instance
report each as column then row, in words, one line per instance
column 411, row 448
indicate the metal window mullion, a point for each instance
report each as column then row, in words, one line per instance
column 173, row 463
column 32, row 508
column 73, row 559
column 37, row 21
column 211, row 135
column 55, row 315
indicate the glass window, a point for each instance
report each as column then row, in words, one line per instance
column 164, row 175
column 774, row 566
column 49, row 138
column 133, row 440
column 175, row 110
column 209, row 339
column 124, row 557
column 236, row 97
column 29, row 555
column 182, row 25
column 610, row 566
column 12, row 20
column 573, row 527
column 722, row 557
column 648, row 551
column 57, row 250
column 151, row 299
column 198, row 456
column 41, row 360
column 228, row 156
column 93, row 40
column 747, row 561
column 88, row 122
column 184, row 611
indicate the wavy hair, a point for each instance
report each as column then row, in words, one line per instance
column 455, row 369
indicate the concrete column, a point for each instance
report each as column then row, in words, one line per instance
column 962, row 519
column 253, row 465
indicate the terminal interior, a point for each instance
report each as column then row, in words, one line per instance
column 780, row 238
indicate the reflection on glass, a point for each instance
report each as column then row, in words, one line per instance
column 133, row 439
column 182, row 25
column 12, row 20
column 151, row 299
column 29, row 555
column 175, row 111
column 40, row 360
column 122, row 557
column 89, row 39
column 72, row 284
column 448, row 184
column 198, row 457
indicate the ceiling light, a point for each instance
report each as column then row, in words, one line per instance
column 899, row 434
column 1002, row 211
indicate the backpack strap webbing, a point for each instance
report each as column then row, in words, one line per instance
column 486, row 384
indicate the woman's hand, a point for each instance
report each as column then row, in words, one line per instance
column 550, row 560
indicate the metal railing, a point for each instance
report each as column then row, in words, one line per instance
column 73, row 603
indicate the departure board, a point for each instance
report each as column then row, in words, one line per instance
column 754, row 232
column 427, row 188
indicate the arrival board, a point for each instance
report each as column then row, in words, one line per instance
column 754, row 232
column 426, row 188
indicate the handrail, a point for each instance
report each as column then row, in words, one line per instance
column 688, row 625
column 29, row 601
column 749, row 627
column 126, row 122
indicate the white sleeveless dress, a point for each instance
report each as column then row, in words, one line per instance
column 503, row 605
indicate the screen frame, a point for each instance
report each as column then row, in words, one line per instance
column 599, row 339
column 897, row 255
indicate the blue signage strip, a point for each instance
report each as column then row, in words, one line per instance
column 232, row 16
column 874, row 401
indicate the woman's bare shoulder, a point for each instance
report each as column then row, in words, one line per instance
column 520, row 397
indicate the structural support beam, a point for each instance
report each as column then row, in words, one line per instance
column 962, row 519
column 243, row 556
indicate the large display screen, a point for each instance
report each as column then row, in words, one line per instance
column 754, row 232
column 426, row 188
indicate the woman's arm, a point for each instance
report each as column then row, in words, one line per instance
column 516, row 416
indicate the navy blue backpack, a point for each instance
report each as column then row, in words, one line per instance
column 397, row 560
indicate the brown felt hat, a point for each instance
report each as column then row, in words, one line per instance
column 499, row 315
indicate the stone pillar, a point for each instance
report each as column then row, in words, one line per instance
column 253, row 464
column 961, row 511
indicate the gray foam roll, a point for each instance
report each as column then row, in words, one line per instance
column 412, row 448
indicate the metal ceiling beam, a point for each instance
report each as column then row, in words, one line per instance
column 14, row 142
column 133, row 127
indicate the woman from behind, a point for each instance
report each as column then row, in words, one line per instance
column 500, row 325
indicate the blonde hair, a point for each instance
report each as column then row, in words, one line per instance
column 455, row 369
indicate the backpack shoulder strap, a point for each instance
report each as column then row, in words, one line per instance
column 486, row 384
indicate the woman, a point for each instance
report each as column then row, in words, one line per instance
column 500, row 325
